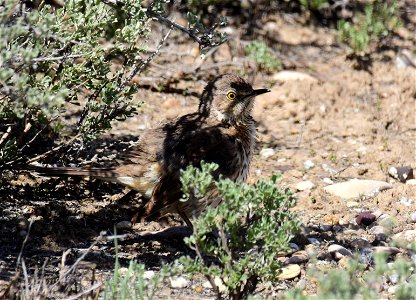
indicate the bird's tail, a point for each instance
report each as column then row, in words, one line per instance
column 102, row 173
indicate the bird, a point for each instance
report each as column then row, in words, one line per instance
column 222, row 131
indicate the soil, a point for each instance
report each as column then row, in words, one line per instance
column 350, row 123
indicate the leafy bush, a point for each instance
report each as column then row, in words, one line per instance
column 237, row 243
column 380, row 18
column 56, row 56
column 263, row 56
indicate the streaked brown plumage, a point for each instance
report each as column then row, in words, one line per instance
column 221, row 131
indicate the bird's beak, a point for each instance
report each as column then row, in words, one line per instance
column 259, row 92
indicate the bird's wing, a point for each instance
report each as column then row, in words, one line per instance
column 210, row 144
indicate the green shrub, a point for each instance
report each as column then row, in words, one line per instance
column 263, row 56
column 53, row 57
column 380, row 18
column 237, row 243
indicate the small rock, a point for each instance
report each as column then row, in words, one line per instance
column 411, row 182
column 355, row 188
column 352, row 204
column 289, row 272
column 308, row 164
column 207, row 285
column 294, row 246
column 22, row 233
column 379, row 233
column 392, row 289
column 386, row 249
column 413, row 217
column 406, row 201
column 314, row 241
column 22, row 223
column 339, row 251
column 179, row 282
column 148, row 274
column 401, row 173
column 293, row 75
column 365, row 218
column 327, row 180
column 123, row 225
column 304, row 185
column 393, row 278
column 267, row 152
column 218, row 282
column 299, row 257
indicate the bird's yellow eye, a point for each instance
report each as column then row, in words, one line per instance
column 231, row 95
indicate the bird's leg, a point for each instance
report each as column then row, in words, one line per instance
column 138, row 216
column 185, row 218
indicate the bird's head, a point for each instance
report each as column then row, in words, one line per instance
column 229, row 98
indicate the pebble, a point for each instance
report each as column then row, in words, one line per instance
column 293, row 75
column 327, row 180
column 289, row 272
column 339, row 251
column 379, row 232
column 401, row 173
column 411, row 182
column 406, row 201
column 308, row 164
column 22, row 223
column 299, row 257
column 365, row 218
column 267, row 152
column 149, row 274
column 179, row 282
column 413, row 217
column 122, row 271
column 314, row 241
column 355, row 188
column 386, row 249
column 392, row 289
column 221, row 287
column 304, row 185
column 123, row 225
column 294, row 246
column 352, row 204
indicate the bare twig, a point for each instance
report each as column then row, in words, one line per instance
column 23, row 244
column 162, row 19
column 299, row 139
column 90, row 289
column 140, row 65
column 57, row 58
